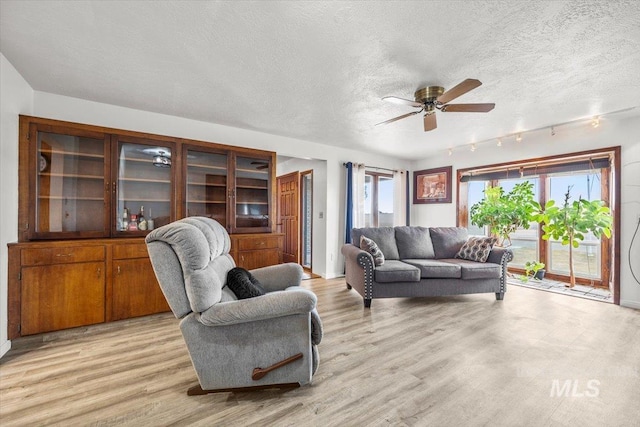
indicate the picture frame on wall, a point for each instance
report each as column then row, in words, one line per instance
column 432, row 185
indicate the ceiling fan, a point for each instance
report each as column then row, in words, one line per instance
column 430, row 98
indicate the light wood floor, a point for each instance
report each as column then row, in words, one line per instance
column 450, row 361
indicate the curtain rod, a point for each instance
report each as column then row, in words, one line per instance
column 537, row 163
column 374, row 167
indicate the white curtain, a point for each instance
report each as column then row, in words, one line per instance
column 399, row 198
column 358, row 195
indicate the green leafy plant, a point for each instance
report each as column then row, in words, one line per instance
column 531, row 269
column 572, row 221
column 504, row 212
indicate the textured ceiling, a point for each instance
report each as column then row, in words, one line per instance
column 317, row 70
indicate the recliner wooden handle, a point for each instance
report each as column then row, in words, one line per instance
column 259, row 373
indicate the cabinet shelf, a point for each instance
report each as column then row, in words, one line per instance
column 221, row 202
column 251, row 203
column 158, row 181
column 253, row 171
column 70, row 176
column 207, row 167
column 73, row 154
column 87, row 199
column 136, row 199
column 206, row 184
column 251, row 187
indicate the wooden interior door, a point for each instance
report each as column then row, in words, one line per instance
column 289, row 215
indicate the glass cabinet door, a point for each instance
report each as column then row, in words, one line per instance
column 251, row 194
column 144, row 187
column 71, row 198
column 207, row 193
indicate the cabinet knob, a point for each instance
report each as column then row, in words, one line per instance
column 118, row 270
column 64, row 255
column 99, row 272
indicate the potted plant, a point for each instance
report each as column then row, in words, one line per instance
column 572, row 221
column 533, row 269
column 504, row 212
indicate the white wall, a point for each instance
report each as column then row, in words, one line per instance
column 16, row 97
column 621, row 129
column 319, row 226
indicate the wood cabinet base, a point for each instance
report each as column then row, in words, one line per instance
column 57, row 285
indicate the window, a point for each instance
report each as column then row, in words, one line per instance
column 588, row 174
column 586, row 258
column 524, row 242
column 378, row 200
column 476, row 194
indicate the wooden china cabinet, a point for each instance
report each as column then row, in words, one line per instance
column 87, row 197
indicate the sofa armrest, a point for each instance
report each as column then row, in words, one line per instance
column 500, row 255
column 271, row 305
column 278, row 277
column 359, row 271
column 357, row 257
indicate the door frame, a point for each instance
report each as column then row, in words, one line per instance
column 301, row 219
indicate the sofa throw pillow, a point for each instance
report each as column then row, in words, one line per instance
column 243, row 284
column 476, row 249
column 370, row 246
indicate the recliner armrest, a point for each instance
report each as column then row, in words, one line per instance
column 268, row 306
column 278, row 277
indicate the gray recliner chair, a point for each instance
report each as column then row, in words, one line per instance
column 266, row 341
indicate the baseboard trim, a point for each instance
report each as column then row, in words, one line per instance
column 5, row 347
column 630, row 304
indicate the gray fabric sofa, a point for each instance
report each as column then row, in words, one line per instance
column 420, row 262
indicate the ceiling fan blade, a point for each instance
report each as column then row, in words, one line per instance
column 430, row 122
column 398, row 118
column 402, row 101
column 459, row 90
column 467, row 108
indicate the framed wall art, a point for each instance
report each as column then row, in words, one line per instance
column 432, row 185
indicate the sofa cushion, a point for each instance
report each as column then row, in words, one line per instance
column 447, row 241
column 475, row 270
column 385, row 238
column 435, row 269
column 414, row 243
column 396, row 271
column 370, row 246
column 476, row 249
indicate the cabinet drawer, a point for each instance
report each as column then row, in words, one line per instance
column 62, row 255
column 258, row 243
column 260, row 258
column 133, row 250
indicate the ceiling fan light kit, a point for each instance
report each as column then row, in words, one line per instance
column 432, row 98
